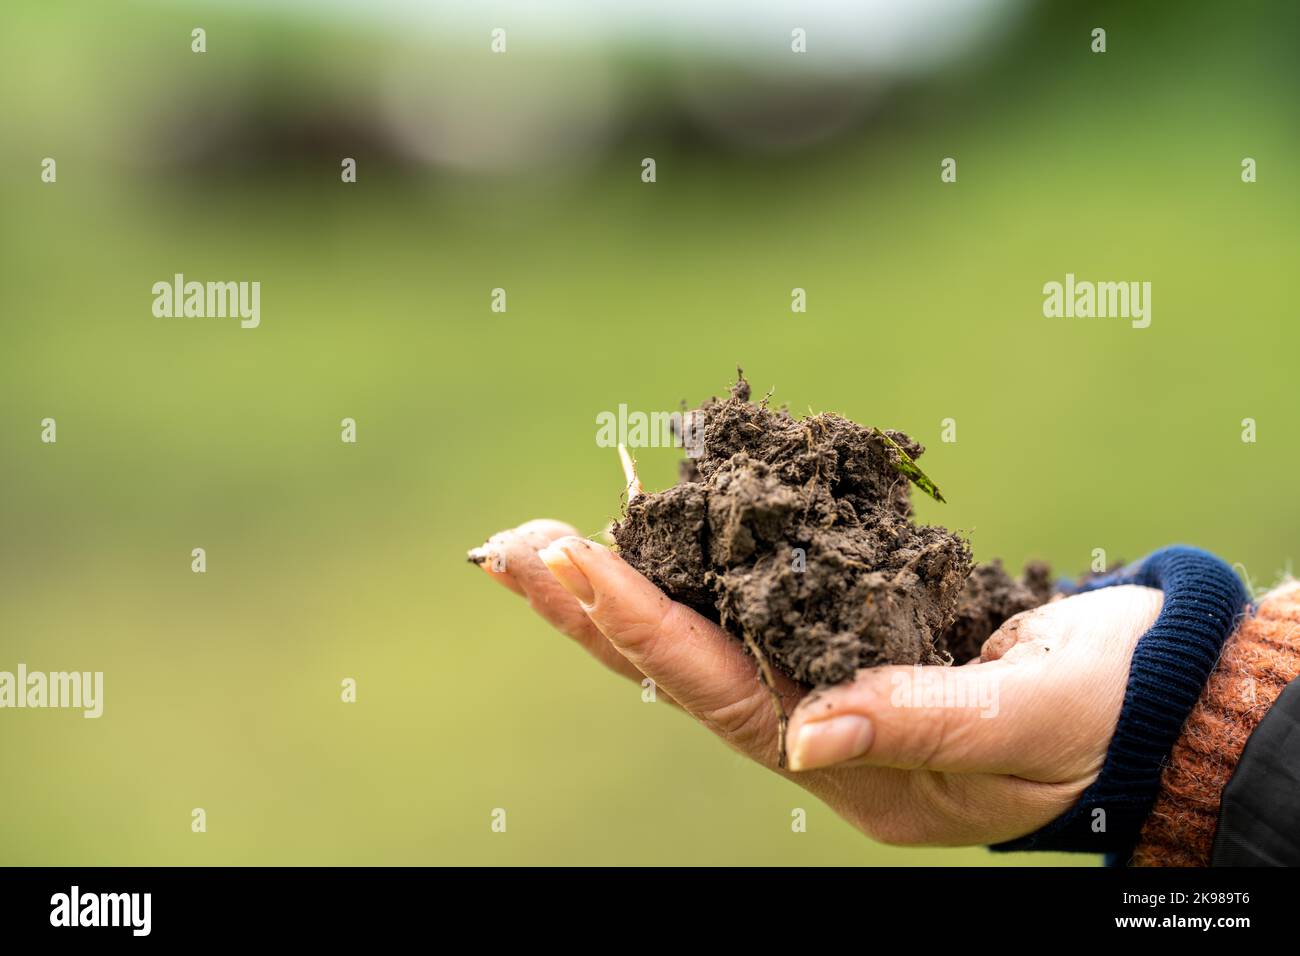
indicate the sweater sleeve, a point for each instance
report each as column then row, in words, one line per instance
column 1259, row 660
column 1173, row 660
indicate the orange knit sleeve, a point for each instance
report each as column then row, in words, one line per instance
column 1259, row 659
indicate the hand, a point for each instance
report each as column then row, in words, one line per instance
column 980, row 753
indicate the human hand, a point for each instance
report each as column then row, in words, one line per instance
column 980, row 753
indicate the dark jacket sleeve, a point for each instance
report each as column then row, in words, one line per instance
column 1259, row 820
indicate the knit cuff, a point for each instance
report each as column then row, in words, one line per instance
column 1259, row 661
column 1203, row 600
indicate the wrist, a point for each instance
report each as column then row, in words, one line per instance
column 1203, row 600
column 1259, row 660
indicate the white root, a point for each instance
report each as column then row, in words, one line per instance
column 634, row 487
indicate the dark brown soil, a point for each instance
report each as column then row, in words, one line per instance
column 797, row 535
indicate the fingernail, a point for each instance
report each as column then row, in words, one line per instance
column 569, row 575
column 823, row 743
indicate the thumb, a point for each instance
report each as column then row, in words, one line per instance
column 974, row 719
column 1045, row 710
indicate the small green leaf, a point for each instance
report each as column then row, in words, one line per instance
column 908, row 468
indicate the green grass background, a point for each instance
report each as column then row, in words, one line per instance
column 329, row 561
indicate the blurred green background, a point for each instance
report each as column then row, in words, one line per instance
column 328, row 560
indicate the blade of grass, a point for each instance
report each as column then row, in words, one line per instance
column 907, row 467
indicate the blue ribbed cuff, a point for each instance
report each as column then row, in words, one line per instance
column 1203, row 600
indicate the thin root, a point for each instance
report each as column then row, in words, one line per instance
column 778, row 705
column 634, row 487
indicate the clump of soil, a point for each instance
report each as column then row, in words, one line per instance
column 797, row 535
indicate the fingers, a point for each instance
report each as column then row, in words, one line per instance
column 494, row 555
column 510, row 557
column 688, row 656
